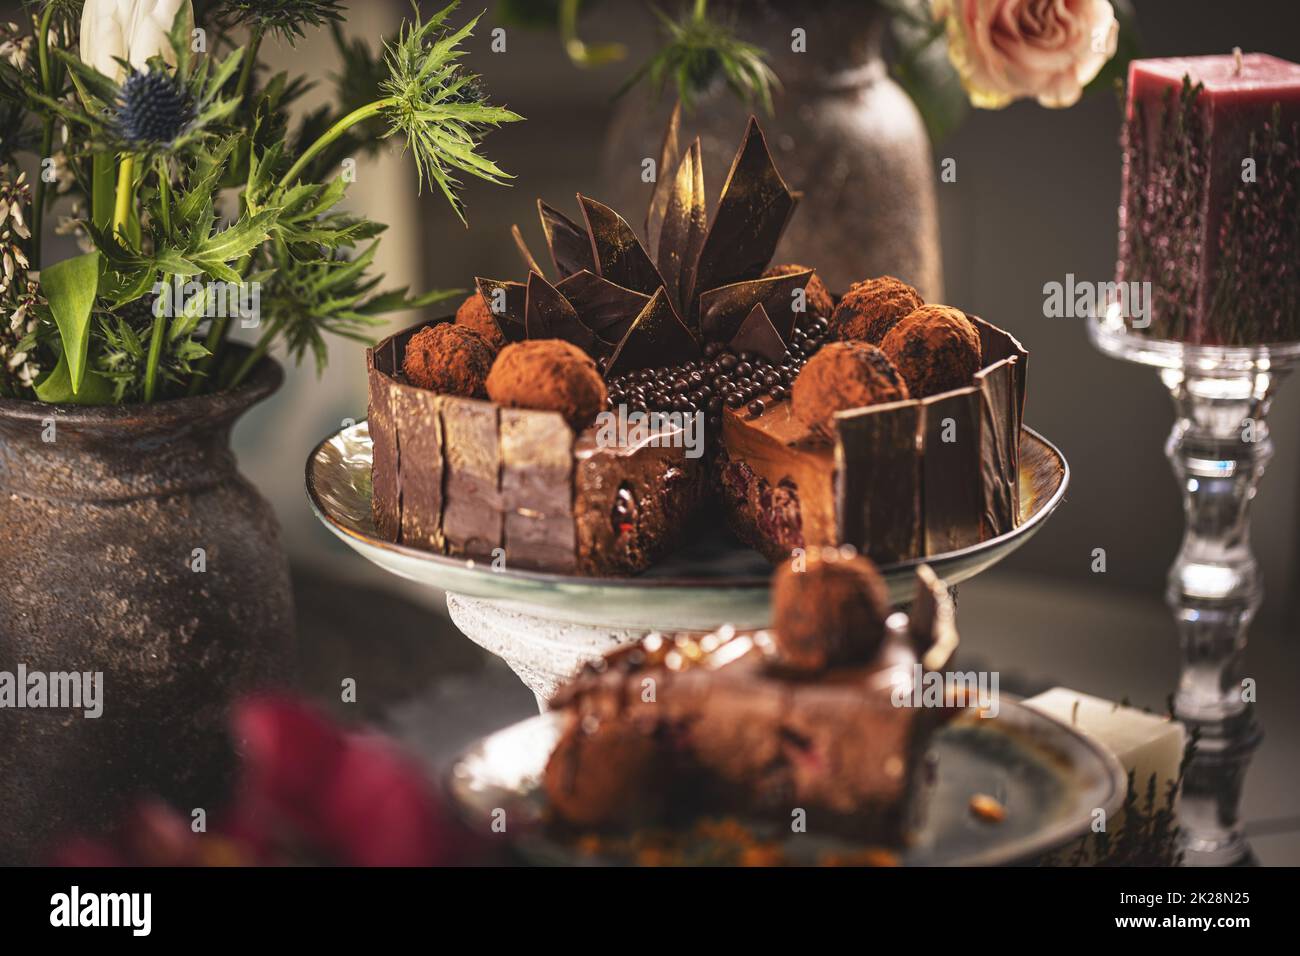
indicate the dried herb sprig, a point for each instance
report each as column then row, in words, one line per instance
column 699, row 51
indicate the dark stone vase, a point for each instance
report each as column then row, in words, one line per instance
column 100, row 572
column 843, row 132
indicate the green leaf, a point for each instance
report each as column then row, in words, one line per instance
column 69, row 286
column 57, row 387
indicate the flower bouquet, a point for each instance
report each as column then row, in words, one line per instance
column 199, row 203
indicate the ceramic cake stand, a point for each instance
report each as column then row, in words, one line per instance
column 546, row 625
column 1219, row 447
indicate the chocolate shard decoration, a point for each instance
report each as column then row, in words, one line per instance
column 757, row 334
column 508, row 303
column 752, row 213
column 618, row 253
column 548, row 315
column 665, row 176
column 607, row 309
column 686, row 222
column 530, row 263
column 656, row 339
column 723, row 309
column 567, row 241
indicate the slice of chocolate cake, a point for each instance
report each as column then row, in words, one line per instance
column 751, row 724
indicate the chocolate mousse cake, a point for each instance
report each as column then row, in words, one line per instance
column 758, row 724
column 575, row 420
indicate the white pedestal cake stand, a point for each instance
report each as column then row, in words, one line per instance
column 544, row 626
column 1219, row 447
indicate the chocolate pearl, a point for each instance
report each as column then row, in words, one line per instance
column 757, row 407
column 695, row 378
column 728, row 362
column 771, row 378
column 714, row 421
column 715, row 406
column 744, row 368
column 818, row 326
column 711, row 349
column 734, row 400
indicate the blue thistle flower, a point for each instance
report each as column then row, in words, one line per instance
column 154, row 108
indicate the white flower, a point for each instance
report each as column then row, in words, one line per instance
column 131, row 30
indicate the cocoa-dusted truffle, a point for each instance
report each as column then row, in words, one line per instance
column 475, row 314
column 936, row 348
column 816, row 295
column 872, row 307
column 448, row 358
column 844, row 375
column 828, row 608
column 548, row 375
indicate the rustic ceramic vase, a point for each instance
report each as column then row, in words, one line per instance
column 843, row 133
column 132, row 547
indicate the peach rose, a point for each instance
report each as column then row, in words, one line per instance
column 1007, row 50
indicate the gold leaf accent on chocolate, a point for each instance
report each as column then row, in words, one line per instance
column 618, row 253
column 567, row 241
column 686, row 222
column 525, row 253
column 752, row 213
column 665, row 174
column 550, row 316
column 607, row 309
column 656, row 339
column 512, row 306
column 724, row 308
column 757, row 334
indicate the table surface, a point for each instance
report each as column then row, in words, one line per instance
column 424, row 683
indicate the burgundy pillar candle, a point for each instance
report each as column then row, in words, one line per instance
column 1210, row 210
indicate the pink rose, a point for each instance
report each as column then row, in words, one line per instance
column 1007, row 50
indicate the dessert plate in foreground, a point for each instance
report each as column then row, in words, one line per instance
column 711, row 581
column 1049, row 779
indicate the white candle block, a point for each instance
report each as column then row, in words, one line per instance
column 1143, row 743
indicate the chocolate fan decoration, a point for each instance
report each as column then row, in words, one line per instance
column 548, row 315
column 656, row 339
column 704, row 283
column 724, row 308
column 568, row 242
column 607, row 309
column 508, row 303
column 757, row 334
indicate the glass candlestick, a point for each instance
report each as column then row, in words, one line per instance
column 1219, row 448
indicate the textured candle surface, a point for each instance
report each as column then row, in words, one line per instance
column 1210, row 210
column 1143, row 743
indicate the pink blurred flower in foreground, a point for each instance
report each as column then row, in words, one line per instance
column 309, row 792
column 1048, row 50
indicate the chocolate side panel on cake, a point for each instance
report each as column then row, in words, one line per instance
column 537, row 490
column 878, row 480
column 1000, row 457
column 952, row 499
column 472, row 519
column 386, row 504
column 420, row 450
